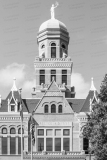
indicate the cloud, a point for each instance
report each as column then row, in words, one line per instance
column 8, row 73
column 21, row 73
column 81, row 87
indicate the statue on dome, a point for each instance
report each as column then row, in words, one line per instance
column 53, row 10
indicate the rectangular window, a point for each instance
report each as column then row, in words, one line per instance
column 48, row 144
column 57, row 132
column 12, row 107
column 42, row 76
column 40, row 132
column 12, row 145
column 53, row 74
column 66, row 144
column 66, row 132
column 4, row 145
column 57, row 144
column 64, row 76
column 40, row 144
column 49, row 132
column 19, row 145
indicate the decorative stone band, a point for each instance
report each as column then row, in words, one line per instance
column 55, row 155
column 53, row 59
column 53, row 65
column 12, row 118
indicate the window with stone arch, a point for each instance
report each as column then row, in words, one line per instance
column 12, row 131
column 19, row 131
column 53, row 50
column 4, row 130
column 46, row 108
column 60, row 108
column 53, row 108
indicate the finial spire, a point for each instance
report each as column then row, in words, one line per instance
column 92, row 85
column 53, row 10
column 14, row 85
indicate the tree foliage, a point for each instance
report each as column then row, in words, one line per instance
column 96, row 127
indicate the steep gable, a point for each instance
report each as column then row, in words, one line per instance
column 53, row 95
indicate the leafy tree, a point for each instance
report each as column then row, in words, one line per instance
column 96, row 127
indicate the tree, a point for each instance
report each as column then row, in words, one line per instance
column 96, row 127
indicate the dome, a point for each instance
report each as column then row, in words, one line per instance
column 52, row 23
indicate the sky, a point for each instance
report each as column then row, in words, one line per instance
column 86, row 22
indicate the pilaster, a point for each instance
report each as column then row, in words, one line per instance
column 0, row 145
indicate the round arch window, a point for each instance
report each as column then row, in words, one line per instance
column 19, row 131
column 12, row 131
column 53, row 108
column 53, row 50
column 60, row 108
column 46, row 108
column 4, row 130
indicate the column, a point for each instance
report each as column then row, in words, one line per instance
column 81, row 142
column 36, row 145
column 71, row 139
column 44, row 139
column 1, row 145
column 53, row 140
column 25, row 139
column 8, row 145
column 17, row 145
column 61, row 140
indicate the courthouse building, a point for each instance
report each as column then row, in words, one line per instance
column 59, row 116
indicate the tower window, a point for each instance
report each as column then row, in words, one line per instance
column 53, row 108
column 46, row 109
column 64, row 76
column 53, row 50
column 53, row 74
column 42, row 76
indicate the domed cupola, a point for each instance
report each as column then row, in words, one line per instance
column 53, row 61
column 53, row 33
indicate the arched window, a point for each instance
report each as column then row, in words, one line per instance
column 12, row 131
column 53, row 108
column 53, row 50
column 60, row 109
column 19, row 131
column 46, row 108
column 4, row 130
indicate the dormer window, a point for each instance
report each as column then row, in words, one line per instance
column 12, row 107
column 53, row 50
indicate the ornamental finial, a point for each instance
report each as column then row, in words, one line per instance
column 14, row 85
column 92, row 85
column 53, row 10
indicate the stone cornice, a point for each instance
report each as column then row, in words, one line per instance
column 53, row 65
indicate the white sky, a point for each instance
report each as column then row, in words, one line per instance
column 86, row 21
